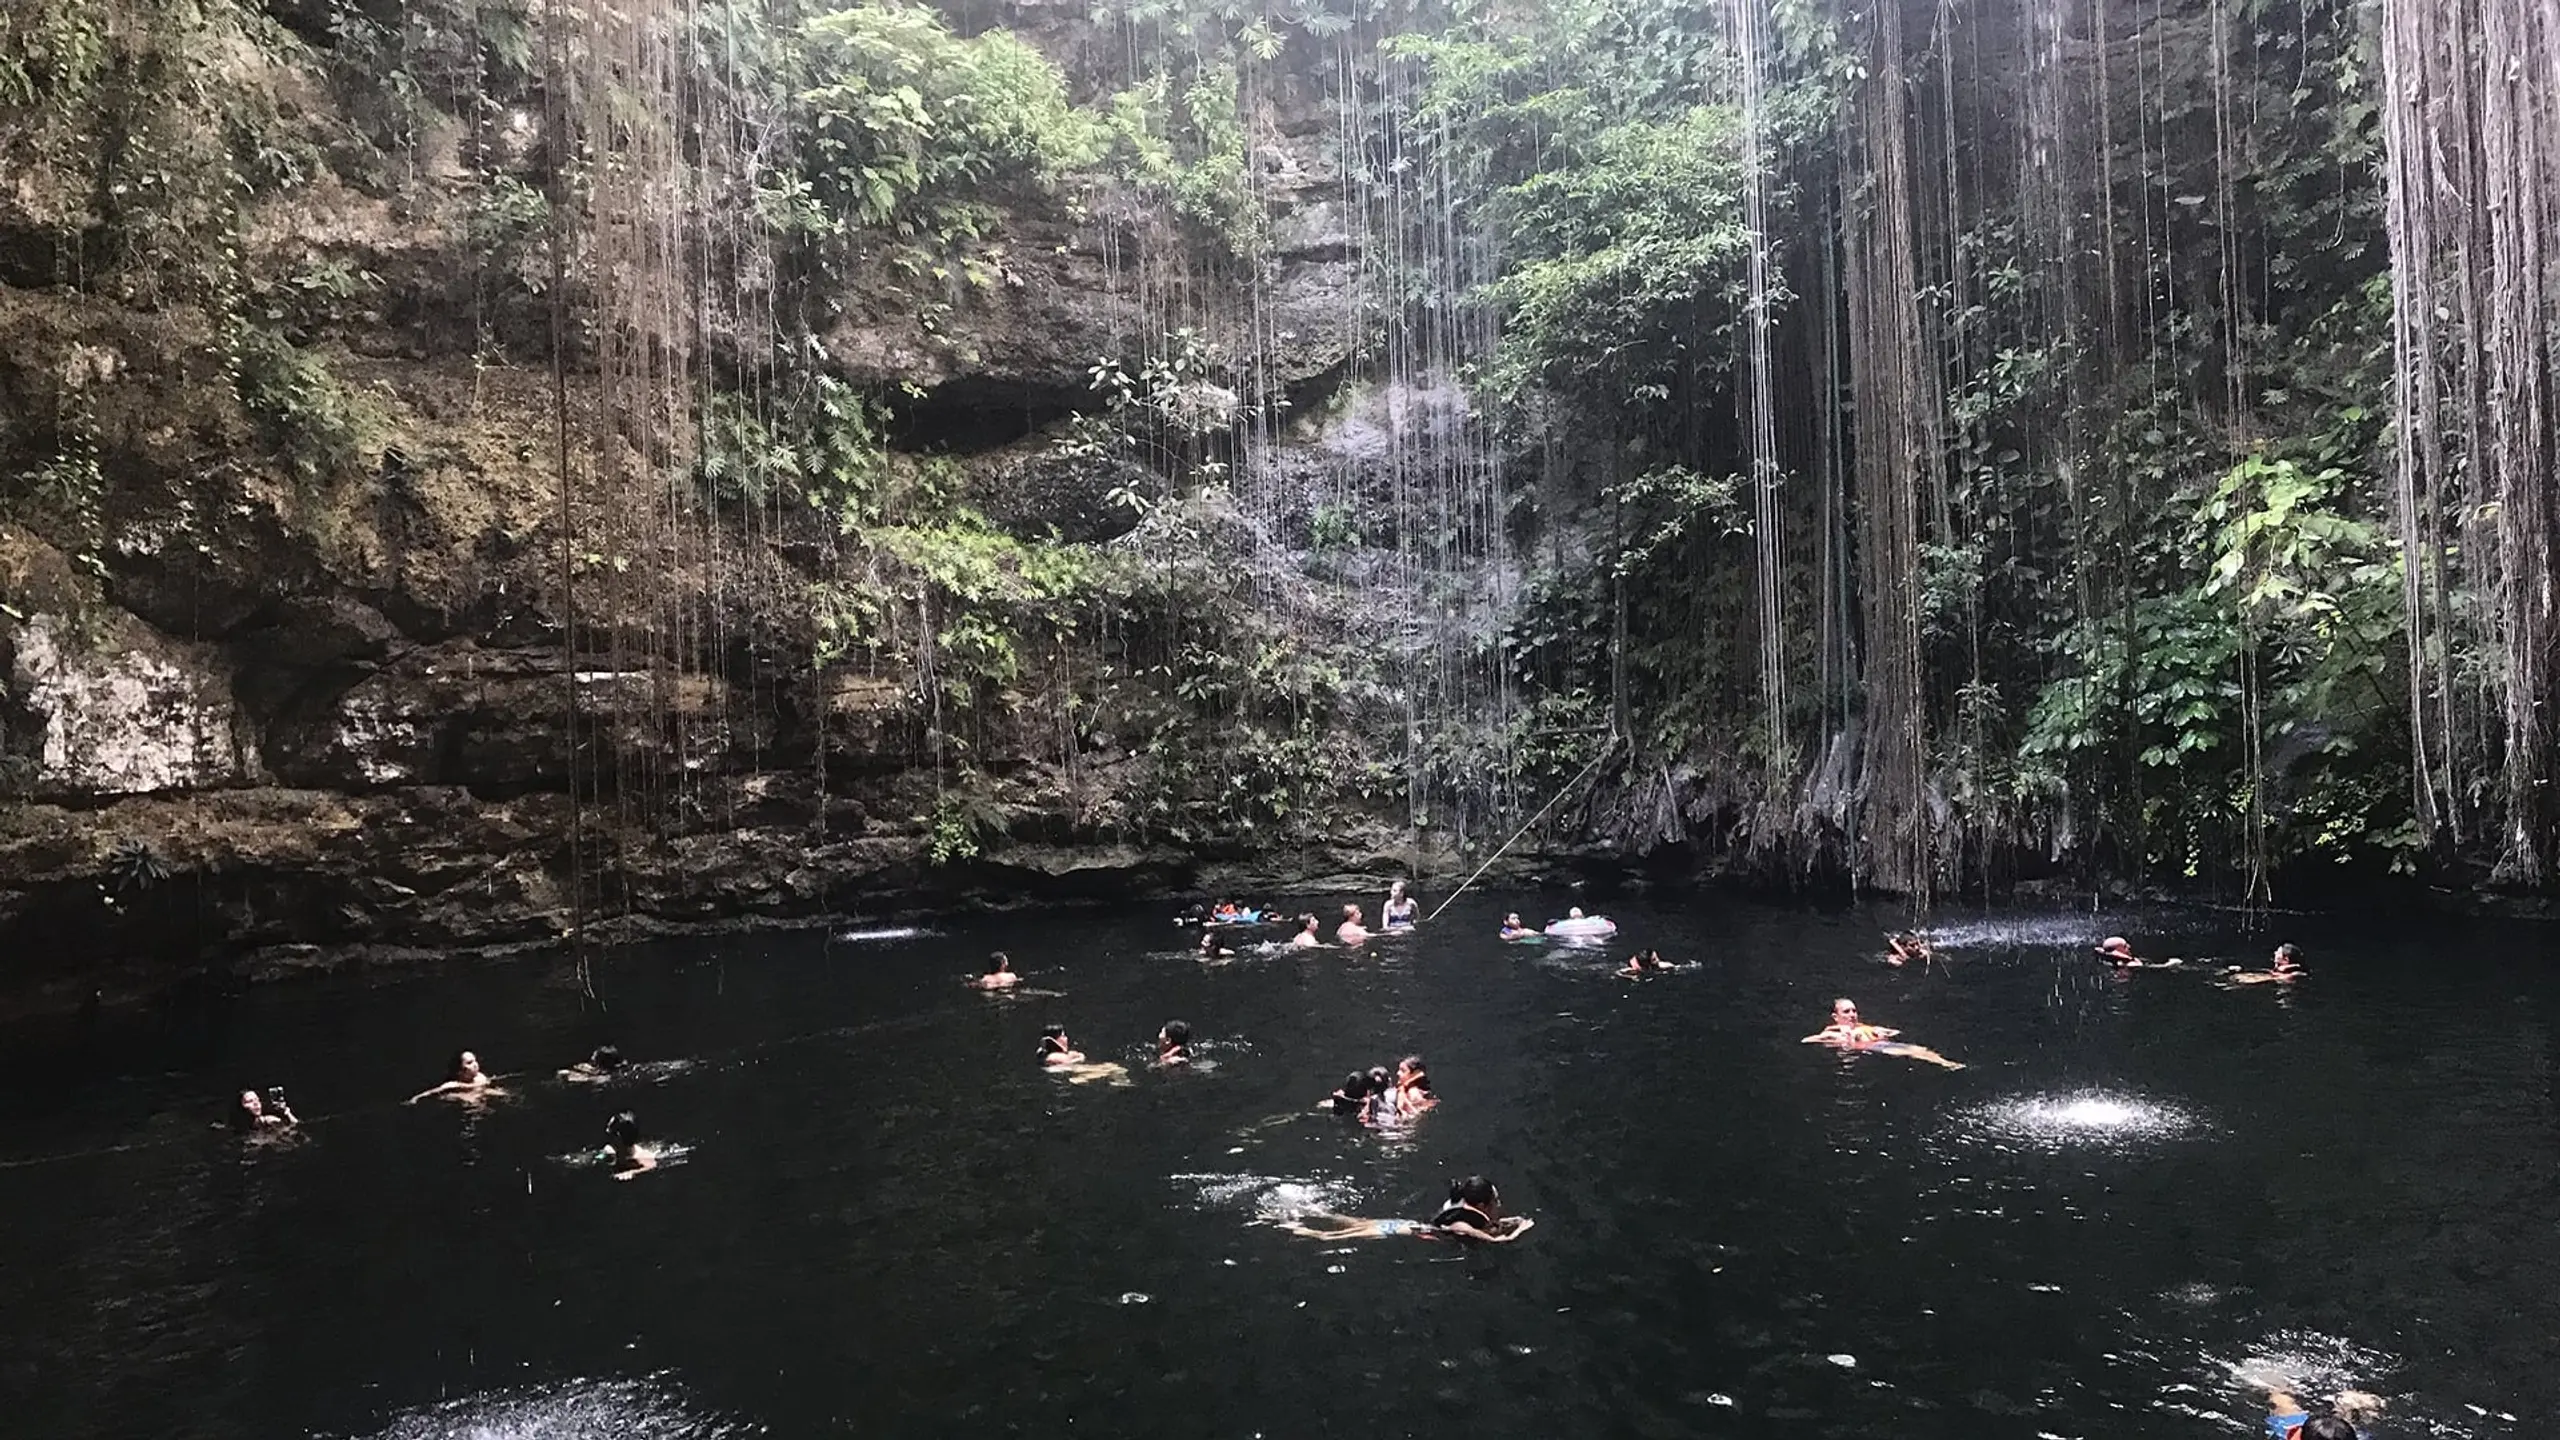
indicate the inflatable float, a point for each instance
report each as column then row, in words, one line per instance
column 1583, row 927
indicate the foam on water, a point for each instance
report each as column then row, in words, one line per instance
column 1273, row 1197
column 2081, row 1117
column 570, row 1410
column 2024, row 932
column 885, row 932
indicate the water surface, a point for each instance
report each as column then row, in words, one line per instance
column 888, row 1221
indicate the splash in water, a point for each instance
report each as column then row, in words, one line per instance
column 1272, row 1197
column 2023, row 932
column 886, row 932
column 2085, row 1117
column 645, row 1409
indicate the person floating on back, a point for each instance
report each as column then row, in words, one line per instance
column 1473, row 1212
column 463, row 1080
column 999, row 974
column 1847, row 1032
column 2286, row 968
column 1225, row 912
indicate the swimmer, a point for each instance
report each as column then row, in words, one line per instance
column 463, row 1078
column 1225, row 913
column 1173, row 1043
column 1350, row 1099
column 253, row 1113
column 1512, row 929
column 999, row 974
column 1056, row 1049
column 2286, row 968
column 1847, row 1032
column 1644, row 963
column 1413, row 1086
column 1401, row 911
column 2289, row 1419
column 622, row 1146
column 1386, row 1101
column 1210, row 949
column 2117, row 951
column 1306, row 938
column 599, row 1065
column 1904, row 948
column 1473, row 1212
column 1351, row 931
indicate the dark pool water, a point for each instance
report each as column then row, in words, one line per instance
column 887, row 1221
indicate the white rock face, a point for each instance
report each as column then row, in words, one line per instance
column 135, row 714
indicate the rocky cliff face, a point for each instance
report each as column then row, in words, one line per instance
column 253, row 711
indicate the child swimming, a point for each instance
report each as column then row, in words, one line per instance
column 1512, row 929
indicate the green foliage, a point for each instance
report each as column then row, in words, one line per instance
column 965, row 815
column 907, row 119
column 318, row 426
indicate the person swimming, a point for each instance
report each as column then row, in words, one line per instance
column 1386, row 1099
column 1350, row 1099
column 2118, row 951
column 1905, row 947
column 463, row 1079
column 999, row 974
column 253, row 1113
column 1413, row 1086
column 1225, row 912
column 1210, row 949
column 1473, row 1211
column 1056, row 1049
column 2289, row 1419
column 1644, row 963
column 1512, row 929
column 622, row 1146
column 1307, row 937
column 1173, row 1043
column 600, row 1065
column 2286, row 967
column 1401, row 912
column 1351, row 931
column 1847, row 1032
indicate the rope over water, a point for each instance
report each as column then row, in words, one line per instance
column 1605, row 752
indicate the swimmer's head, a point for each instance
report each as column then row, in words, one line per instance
column 2116, row 947
column 1351, row 914
column 1395, row 891
column 1512, row 919
column 246, row 1113
column 2326, row 1427
column 1355, row 1085
column 1477, row 1191
column 465, row 1066
column 605, row 1057
column 1175, row 1035
column 622, row 1131
column 998, row 963
column 1306, row 922
column 1574, row 914
column 1380, row 1082
column 1208, row 940
column 2287, row 956
column 1053, row 1040
column 1844, row 1011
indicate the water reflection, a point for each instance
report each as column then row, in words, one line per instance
column 2107, row 1119
column 571, row 1410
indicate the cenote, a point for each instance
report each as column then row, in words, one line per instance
column 883, row 1218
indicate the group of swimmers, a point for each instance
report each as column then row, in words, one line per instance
column 2283, row 969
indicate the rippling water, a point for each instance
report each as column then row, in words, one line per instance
column 2141, row 1194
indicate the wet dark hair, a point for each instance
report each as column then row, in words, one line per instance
column 1208, row 941
column 998, row 961
column 622, row 1131
column 2327, row 1427
column 1053, row 1038
column 1475, row 1190
column 1381, row 1080
column 1177, row 1032
column 1355, row 1085
column 1306, row 922
column 606, row 1057
column 2287, row 951
column 1421, row 1072
column 242, row 1118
